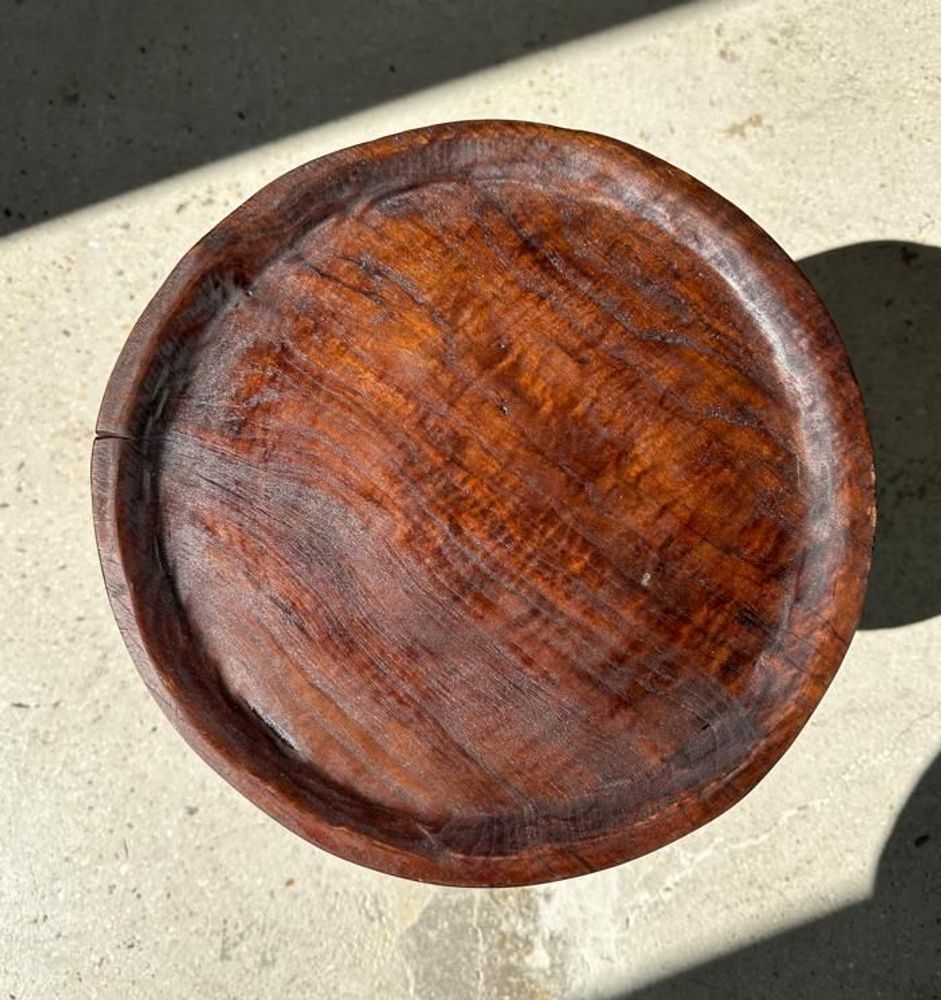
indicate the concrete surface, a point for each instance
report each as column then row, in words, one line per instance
column 128, row 869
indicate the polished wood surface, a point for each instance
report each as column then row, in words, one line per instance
column 490, row 503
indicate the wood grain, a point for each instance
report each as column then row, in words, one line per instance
column 489, row 503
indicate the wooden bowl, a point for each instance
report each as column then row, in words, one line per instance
column 490, row 503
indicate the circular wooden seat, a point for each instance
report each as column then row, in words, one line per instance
column 490, row 503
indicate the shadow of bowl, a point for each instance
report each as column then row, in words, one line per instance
column 886, row 301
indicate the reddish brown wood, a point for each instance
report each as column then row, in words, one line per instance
column 489, row 503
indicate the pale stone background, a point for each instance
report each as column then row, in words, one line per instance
column 128, row 869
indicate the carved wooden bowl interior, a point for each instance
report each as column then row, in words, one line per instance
column 489, row 503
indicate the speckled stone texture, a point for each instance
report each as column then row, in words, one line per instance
column 129, row 869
